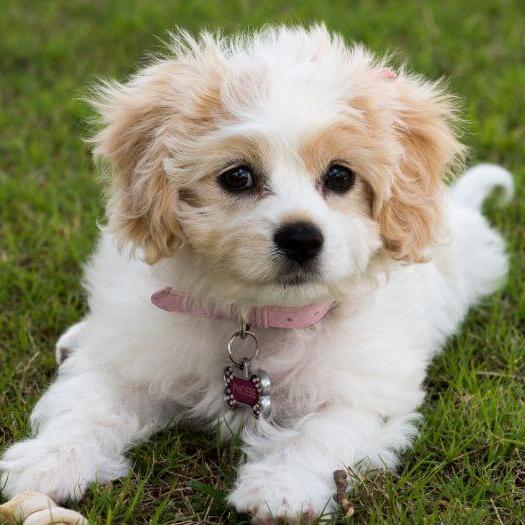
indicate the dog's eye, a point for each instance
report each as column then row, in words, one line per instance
column 339, row 179
column 237, row 179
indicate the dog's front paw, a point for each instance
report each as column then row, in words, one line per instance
column 62, row 471
column 33, row 465
column 281, row 493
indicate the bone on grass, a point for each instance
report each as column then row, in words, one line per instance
column 33, row 508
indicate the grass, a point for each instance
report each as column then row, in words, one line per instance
column 468, row 464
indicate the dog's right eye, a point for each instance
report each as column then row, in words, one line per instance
column 237, row 179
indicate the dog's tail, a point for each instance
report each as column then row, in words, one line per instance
column 478, row 182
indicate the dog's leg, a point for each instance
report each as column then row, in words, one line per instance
column 289, row 473
column 83, row 425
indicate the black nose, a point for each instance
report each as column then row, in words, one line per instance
column 300, row 241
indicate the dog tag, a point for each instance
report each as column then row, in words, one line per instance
column 243, row 388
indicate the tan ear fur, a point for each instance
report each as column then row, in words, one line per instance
column 412, row 218
column 141, row 199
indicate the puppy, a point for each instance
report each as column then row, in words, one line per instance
column 275, row 177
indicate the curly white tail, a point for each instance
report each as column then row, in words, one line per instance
column 478, row 182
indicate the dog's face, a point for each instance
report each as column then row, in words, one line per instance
column 272, row 205
column 285, row 160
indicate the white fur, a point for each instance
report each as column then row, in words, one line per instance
column 346, row 391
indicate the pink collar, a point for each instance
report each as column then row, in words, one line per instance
column 261, row 317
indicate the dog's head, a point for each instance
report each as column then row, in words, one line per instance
column 283, row 159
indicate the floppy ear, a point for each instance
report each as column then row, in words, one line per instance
column 412, row 216
column 135, row 119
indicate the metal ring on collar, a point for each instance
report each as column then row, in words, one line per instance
column 243, row 335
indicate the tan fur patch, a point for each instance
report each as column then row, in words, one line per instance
column 412, row 218
column 350, row 144
column 138, row 117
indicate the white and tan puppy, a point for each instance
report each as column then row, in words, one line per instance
column 280, row 168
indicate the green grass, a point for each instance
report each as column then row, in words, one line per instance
column 468, row 464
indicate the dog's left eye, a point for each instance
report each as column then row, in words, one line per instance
column 237, row 179
column 339, row 179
